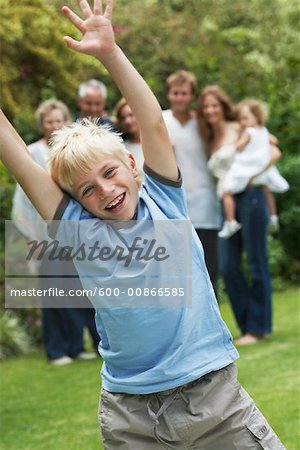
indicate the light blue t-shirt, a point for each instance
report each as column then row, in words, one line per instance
column 150, row 345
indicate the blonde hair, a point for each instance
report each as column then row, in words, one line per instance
column 50, row 105
column 228, row 108
column 180, row 77
column 257, row 108
column 77, row 148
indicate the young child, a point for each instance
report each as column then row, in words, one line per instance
column 167, row 379
column 253, row 156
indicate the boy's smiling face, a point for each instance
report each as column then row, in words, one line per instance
column 109, row 190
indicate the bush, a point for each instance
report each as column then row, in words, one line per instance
column 7, row 188
column 289, row 210
column 283, row 270
column 13, row 338
column 25, row 124
column 32, row 323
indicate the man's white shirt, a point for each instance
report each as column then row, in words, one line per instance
column 203, row 205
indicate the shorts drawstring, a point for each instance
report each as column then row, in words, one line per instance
column 155, row 416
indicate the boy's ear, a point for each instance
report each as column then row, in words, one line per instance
column 133, row 164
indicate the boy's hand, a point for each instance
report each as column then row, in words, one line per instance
column 97, row 33
column 98, row 40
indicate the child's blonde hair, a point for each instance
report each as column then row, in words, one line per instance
column 77, row 148
column 257, row 108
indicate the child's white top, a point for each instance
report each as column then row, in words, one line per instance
column 250, row 161
column 202, row 202
column 272, row 179
column 150, row 344
column 234, row 170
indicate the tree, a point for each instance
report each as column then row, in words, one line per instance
column 248, row 47
column 35, row 61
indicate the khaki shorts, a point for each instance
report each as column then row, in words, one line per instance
column 211, row 413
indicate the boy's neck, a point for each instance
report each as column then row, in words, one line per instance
column 183, row 116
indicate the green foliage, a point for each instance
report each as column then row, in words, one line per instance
column 283, row 269
column 289, row 208
column 32, row 323
column 7, row 187
column 249, row 48
column 25, row 125
column 13, row 338
column 35, row 61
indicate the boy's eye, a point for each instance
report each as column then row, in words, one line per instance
column 110, row 172
column 87, row 191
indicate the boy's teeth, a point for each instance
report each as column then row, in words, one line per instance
column 115, row 202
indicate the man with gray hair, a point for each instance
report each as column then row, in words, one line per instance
column 91, row 100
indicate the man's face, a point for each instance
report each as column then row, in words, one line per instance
column 180, row 97
column 92, row 104
column 109, row 190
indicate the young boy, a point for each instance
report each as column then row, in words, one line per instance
column 167, row 380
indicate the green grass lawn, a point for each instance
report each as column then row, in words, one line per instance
column 46, row 408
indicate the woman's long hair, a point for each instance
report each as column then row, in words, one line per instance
column 228, row 107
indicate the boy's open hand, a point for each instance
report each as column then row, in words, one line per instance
column 97, row 32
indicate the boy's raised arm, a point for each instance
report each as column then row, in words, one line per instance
column 98, row 40
column 36, row 182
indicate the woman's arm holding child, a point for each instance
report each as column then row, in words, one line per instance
column 98, row 40
column 36, row 183
column 275, row 154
